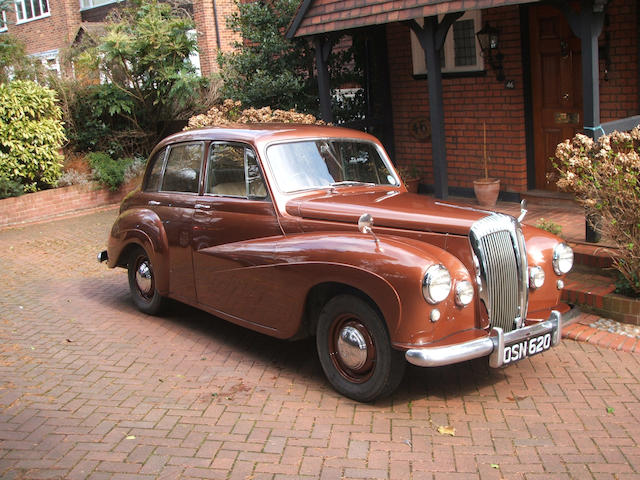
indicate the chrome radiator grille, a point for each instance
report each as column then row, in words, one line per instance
column 501, row 269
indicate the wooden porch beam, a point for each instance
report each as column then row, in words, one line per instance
column 432, row 36
column 586, row 24
column 323, row 48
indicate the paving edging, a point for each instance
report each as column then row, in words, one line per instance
column 46, row 204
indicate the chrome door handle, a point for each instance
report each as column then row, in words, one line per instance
column 202, row 206
column 153, row 202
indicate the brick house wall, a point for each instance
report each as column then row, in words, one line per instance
column 470, row 101
column 208, row 36
column 54, row 32
column 58, row 30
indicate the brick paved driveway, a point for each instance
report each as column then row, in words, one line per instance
column 90, row 388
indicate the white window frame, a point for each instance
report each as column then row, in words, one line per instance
column 44, row 58
column 3, row 22
column 21, row 10
column 417, row 52
column 89, row 4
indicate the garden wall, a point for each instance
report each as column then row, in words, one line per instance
column 33, row 207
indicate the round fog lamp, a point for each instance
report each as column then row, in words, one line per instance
column 536, row 277
column 436, row 284
column 464, row 293
column 562, row 258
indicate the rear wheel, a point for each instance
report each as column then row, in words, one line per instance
column 142, row 283
column 355, row 350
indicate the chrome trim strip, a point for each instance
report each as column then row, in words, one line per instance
column 492, row 345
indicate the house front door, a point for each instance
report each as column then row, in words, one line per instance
column 556, row 83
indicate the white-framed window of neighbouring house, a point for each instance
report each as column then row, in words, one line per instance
column 3, row 21
column 461, row 52
column 27, row 10
column 50, row 60
column 86, row 4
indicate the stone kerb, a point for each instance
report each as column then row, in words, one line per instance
column 45, row 204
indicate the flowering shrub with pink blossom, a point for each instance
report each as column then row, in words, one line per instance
column 231, row 112
column 605, row 177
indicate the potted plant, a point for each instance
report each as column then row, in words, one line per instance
column 410, row 177
column 486, row 188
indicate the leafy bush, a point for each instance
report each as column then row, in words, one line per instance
column 108, row 171
column 10, row 188
column 605, row 177
column 73, row 177
column 230, row 112
column 267, row 69
column 31, row 134
column 549, row 226
column 151, row 82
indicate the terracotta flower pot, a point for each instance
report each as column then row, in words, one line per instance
column 412, row 184
column 486, row 190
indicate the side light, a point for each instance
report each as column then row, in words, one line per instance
column 436, row 284
column 464, row 293
column 536, row 277
column 562, row 258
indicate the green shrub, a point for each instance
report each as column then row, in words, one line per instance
column 10, row 188
column 31, row 134
column 549, row 226
column 108, row 171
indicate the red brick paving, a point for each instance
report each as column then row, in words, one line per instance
column 91, row 388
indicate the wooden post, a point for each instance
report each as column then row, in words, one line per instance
column 432, row 36
column 323, row 49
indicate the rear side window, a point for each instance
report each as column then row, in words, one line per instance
column 155, row 176
column 182, row 173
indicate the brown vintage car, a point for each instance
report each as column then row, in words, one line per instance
column 302, row 230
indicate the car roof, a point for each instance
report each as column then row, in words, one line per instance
column 264, row 133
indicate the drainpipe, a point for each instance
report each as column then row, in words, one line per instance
column 215, row 21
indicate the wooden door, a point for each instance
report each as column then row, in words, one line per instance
column 556, row 82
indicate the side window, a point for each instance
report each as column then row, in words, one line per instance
column 182, row 173
column 233, row 170
column 155, row 176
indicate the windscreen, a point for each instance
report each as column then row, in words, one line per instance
column 325, row 163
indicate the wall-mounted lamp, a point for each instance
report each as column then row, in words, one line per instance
column 489, row 38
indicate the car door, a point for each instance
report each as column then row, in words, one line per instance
column 234, row 209
column 172, row 191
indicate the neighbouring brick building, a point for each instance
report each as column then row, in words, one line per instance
column 529, row 93
column 48, row 27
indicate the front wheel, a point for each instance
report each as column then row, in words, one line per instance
column 142, row 283
column 355, row 350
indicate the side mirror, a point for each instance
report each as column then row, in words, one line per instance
column 365, row 223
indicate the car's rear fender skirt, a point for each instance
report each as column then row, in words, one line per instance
column 142, row 228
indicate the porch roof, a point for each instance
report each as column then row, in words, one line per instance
column 323, row 16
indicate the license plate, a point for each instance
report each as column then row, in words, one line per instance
column 526, row 348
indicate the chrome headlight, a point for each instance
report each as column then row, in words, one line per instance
column 536, row 277
column 562, row 258
column 464, row 293
column 436, row 284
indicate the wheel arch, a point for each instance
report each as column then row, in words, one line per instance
column 320, row 294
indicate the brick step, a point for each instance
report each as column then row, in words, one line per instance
column 550, row 199
column 593, row 255
column 592, row 291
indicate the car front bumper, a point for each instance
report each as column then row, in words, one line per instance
column 492, row 345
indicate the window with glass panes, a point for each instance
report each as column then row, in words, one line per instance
column 31, row 9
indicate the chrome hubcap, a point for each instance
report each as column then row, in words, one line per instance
column 144, row 277
column 352, row 348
